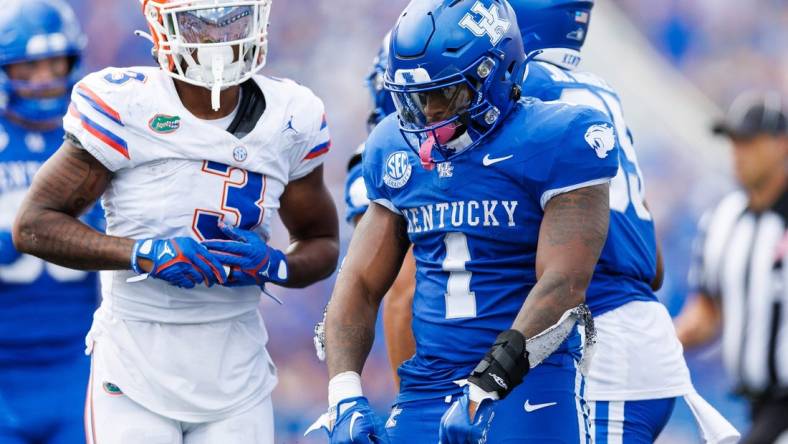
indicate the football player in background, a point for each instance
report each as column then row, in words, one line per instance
column 638, row 369
column 45, row 309
column 506, row 205
column 192, row 159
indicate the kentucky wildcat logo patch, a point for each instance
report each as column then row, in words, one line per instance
column 164, row 124
column 601, row 138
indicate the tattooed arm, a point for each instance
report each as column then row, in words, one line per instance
column 373, row 260
column 571, row 237
column 47, row 224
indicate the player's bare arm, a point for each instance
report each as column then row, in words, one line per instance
column 699, row 321
column 310, row 216
column 47, row 224
column 398, row 315
column 571, row 238
column 376, row 252
column 659, row 275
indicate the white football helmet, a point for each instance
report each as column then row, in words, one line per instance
column 210, row 43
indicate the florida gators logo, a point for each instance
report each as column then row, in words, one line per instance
column 112, row 389
column 164, row 124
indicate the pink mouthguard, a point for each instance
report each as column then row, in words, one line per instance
column 444, row 135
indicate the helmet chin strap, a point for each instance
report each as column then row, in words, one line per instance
column 216, row 90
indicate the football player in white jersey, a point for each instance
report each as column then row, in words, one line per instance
column 191, row 159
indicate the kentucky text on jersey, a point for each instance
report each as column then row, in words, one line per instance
column 485, row 213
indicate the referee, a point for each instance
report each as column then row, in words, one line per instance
column 740, row 269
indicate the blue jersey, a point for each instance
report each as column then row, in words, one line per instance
column 474, row 224
column 628, row 262
column 45, row 309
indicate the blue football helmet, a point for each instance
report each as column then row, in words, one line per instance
column 454, row 73
column 33, row 30
column 383, row 104
column 548, row 24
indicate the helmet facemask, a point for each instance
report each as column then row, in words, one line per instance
column 445, row 116
column 210, row 43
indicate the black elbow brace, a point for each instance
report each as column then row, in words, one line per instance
column 504, row 366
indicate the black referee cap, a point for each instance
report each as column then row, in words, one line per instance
column 754, row 114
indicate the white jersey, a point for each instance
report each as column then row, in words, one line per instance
column 177, row 175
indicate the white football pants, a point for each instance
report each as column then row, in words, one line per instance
column 111, row 417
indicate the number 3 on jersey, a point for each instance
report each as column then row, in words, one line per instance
column 242, row 197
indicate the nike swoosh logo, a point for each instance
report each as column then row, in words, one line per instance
column 534, row 407
column 487, row 160
column 353, row 419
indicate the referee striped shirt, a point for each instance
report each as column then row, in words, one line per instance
column 739, row 261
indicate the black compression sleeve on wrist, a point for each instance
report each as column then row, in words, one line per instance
column 504, row 366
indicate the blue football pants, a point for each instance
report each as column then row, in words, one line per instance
column 629, row 422
column 44, row 404
column 546, row 408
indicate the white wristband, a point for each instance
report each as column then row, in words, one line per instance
column 343, row 386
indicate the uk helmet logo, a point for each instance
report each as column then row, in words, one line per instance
column 397, row 169
column 490, row 22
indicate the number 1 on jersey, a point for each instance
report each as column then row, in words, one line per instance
column 460, row 300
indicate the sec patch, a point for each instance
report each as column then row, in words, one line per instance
column 397, row 169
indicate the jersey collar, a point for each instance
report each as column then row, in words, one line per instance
column 562, row 57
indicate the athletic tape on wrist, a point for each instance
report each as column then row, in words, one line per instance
column 344, row 385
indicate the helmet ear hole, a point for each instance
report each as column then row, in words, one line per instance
column 517, row 92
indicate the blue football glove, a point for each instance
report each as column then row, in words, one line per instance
column 251, row 260
column 356, row 424
column 8, row 254
column 181, row 261
column 456, row 426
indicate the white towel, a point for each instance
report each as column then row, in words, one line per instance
column 714, row 428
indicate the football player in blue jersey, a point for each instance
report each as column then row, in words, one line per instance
column 638, row 369
column 45, row 310
column 506, row 204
